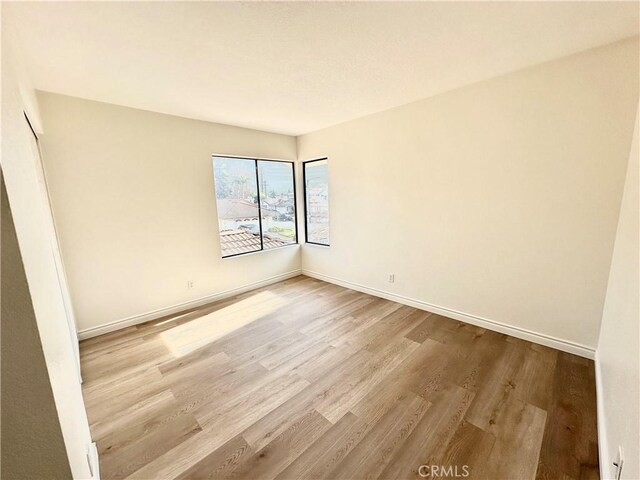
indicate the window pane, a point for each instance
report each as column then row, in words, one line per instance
column 277, row 203
column 316, row 176
column 238, row 182
column 237, row 199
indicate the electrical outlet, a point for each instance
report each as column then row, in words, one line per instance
column 189, row 284
column 618, row 463
column 392, row 277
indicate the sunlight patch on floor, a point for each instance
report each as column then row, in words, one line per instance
column 172, row 319
column 190, row 336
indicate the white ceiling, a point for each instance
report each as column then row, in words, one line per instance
column 295, row 67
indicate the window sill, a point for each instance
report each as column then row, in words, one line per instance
column 316, row 245
column 240, row 255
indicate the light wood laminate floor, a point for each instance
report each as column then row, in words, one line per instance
column 304, row 379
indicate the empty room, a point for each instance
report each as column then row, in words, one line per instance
column 320, row 240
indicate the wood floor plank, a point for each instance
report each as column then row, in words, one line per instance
column 364, row 318
column 122, row 462
column 327, row 451
column 289, row 353
column 189, row 372
column 122, row 361
column 374, row 336
column 126, row 425
column 302, row 362
column 272, row 390
column 326, row 395
column 571, row 428
column 122, row 400
column 432, row 434
column 307, row 380
column 327, row 361
column 258, row 352
column 518, row 429
column 219, row 426
column 371, row 455
column 273, row 424
column 332, row 315
column 473, row 370
column 272, row 459
column 210, row 390
column 221, row 463
column 116, row 387
column 466, row 454
column 404, row 380
column 360, row 381
column 537, row 373
column 498, row 388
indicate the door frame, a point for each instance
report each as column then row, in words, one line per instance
column 54, row 241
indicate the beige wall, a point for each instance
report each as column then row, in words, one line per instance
column 134, row 203
column 619, row 345
column 498, row 200
column 30, row 218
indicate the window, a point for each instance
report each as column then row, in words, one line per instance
column 316, row 201
column 256, row 204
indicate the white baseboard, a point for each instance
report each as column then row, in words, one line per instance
column 524, row 334
column 517, row 332
column 603, row 448
column 145, row 317
column 93, row 457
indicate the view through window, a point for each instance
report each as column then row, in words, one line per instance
column 316, row 188
column 256, row 204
